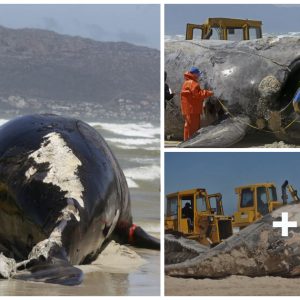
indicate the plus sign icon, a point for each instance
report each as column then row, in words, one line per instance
column 285, row 224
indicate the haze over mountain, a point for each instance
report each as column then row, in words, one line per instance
column 43, row 65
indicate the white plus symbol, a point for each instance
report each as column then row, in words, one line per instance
column 285, row 224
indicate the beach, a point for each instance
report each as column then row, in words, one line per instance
column 233, row 286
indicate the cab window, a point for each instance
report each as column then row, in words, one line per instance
column 262, row 200
column 272, row 193
column 247, row 198
column 172, row 207
column 201, row 204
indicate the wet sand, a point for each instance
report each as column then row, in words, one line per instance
column 233, row 286
column 136, row 274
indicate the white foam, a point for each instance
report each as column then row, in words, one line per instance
column 144, row 160
column 131, row 183
column 136, row 142
column 3, row 121
column 150, row 227
column 143, row 173
column 137, row 147
column 146, row 130
column 63, row 166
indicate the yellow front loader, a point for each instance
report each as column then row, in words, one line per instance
column 257, row 200
column 197, row 215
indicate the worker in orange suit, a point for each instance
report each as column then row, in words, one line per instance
column 192, row 98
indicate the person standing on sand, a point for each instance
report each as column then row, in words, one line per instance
column 192, row 98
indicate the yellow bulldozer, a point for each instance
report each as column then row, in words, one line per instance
column 198, row 216
column 257, row 200
column 226, row 29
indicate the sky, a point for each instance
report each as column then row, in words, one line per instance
column 137, row 24
column 222, row 172
column 276, row 18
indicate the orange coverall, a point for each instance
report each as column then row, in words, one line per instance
column 192, row 97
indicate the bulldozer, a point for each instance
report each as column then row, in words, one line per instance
column 226, row 29
column 257, row 200
column 197, row 215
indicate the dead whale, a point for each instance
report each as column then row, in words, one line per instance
column 257, row 250
column 63, row 198
column 254, row 79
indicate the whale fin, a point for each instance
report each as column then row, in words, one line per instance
column 225, row 134
column 140, row 238
column 55, row 269
column 135, row 236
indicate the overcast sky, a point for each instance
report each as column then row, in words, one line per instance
column 137, row 24
column 275, row 18
column 222, row 172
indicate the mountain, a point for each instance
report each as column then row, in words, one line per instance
column 44, row 65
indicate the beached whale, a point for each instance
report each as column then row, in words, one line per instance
column 255, row 81
column 257, row 250
column 63, row 198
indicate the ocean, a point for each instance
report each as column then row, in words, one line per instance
column 137, row 148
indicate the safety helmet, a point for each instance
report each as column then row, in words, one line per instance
column 195, row 70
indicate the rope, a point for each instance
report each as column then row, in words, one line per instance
column 255, row 127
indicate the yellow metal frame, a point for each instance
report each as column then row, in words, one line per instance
column 246, row 215
column 224, row 24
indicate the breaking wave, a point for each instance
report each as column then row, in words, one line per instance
column 143, row 173
column 145, row 130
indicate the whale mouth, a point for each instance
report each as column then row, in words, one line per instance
column 291, row 85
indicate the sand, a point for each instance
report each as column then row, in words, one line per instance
column 233, row 286
column 119, row 270
column 115, row 258
column 244, row 144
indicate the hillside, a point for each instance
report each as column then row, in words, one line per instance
column 41, row 67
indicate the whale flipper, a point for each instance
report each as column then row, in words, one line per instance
column 142, row 239
column 225, row 134
column 55, row 269
column 135, row 236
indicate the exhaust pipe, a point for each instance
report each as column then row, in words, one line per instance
column 284, row 195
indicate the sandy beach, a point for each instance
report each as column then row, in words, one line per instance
column 233, row 286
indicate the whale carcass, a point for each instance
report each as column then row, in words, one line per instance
column 253, row 82
column 63, row 198
column 258, row 250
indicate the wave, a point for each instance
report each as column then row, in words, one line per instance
column 144, row 173
column 135, row 143
column 3, row 121
column 124, row 147
column 131, row 183
column 146, row 130
column 144, row 160
column 150, row 227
